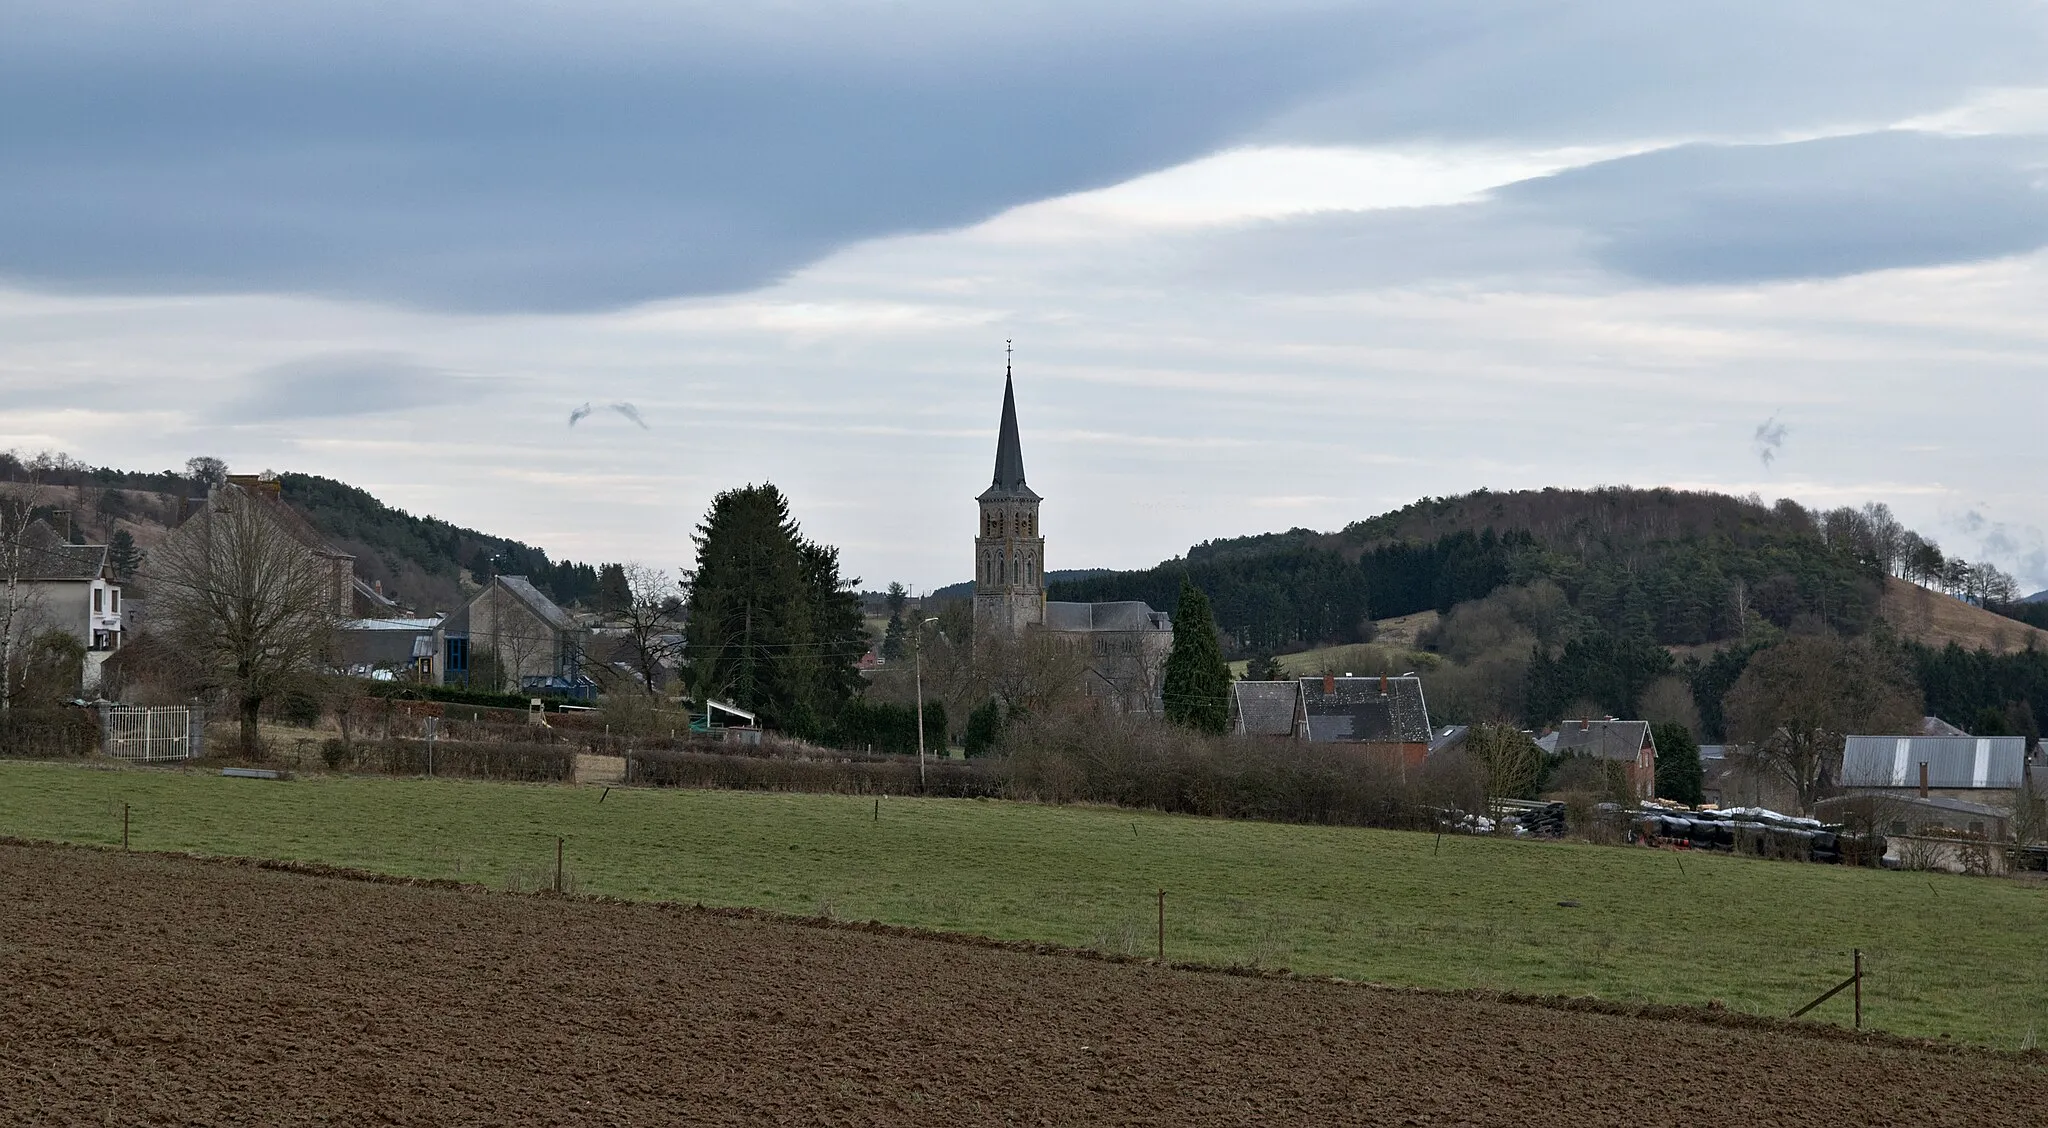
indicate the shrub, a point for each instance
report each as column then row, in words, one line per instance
column 530, row 763
column 48, row 733
column 700, row 766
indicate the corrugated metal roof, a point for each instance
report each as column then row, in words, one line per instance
column 1606, row 740
column 1952, row 761
column 1265, row 708
column 1356, row 709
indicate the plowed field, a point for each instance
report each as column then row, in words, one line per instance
column 154, row 990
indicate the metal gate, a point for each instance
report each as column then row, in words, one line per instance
column 151, row 734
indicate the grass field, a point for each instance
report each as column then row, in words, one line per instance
column 1958, row 956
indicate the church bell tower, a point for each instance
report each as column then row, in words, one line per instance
column 1009, row 555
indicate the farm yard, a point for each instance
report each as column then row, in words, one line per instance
column 1946, row 956
column 151, row 989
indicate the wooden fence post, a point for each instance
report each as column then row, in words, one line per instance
column 1859, row 988
column 1162, row 927
column 558, row 863
column 124, row 826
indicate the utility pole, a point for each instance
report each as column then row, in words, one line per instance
column 917, row 664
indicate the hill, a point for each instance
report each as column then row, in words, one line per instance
column 1677, row 568
column 1937, row 620
column 425, row 561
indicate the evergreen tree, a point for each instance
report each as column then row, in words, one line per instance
column 1197, row 688
column 121, row 552
column 613, row 592
column 1678, row 765
column 1264, row 667
column 984, row 729
column 896, row 640
column 772, row 626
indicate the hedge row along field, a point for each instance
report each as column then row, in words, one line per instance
column 1945, row 955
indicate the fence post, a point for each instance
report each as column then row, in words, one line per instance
column 558, row 863
column 1859, row 988
column 124, row 826
column 1162, row 928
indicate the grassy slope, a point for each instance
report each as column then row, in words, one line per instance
column 1937, row 620
column 1946, row 954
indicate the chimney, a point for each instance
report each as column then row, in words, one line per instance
column 1383, row 685
column 1329, row 685
column 1585, row 724
column 60, row 520
column 1923, row 779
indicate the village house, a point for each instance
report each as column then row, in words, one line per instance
column 1386, row 717
column 1628, row 743
column 70, row 588
column 512, row 638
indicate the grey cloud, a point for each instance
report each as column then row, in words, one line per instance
column 1576, row 71
column 338, row 385
column 532, row 157
column 1845, row 205
column 1697, row 214
column 432, row 162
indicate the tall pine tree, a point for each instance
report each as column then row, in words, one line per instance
column 1197, row 689
column 772, row 626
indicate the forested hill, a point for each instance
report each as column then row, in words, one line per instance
column 1672, row 567
column 425, row 559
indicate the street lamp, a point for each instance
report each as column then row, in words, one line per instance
column 917, row 663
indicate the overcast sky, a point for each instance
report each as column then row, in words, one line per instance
column 1265, row 264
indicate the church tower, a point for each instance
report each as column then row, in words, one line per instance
column 1009, row 555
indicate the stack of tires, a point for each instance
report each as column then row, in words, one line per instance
column 1545, row 822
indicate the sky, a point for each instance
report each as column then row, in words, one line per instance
column 1264, row 265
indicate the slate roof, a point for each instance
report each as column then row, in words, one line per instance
column 1128, row 615
column 47, row 557
column 1265, row 708
column 1366, row 710
column 1952, row 761
column 542, row 607
column 1605, row 740
column 1009, row 476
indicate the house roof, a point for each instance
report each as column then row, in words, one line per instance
column 1369, row 710
column 45, row 556
column 1952, row 761
column 1128, row 615
column 1935, row 726
column 1605, row 740
column 1449, row 738
column 1009, row 475
column 1265, row 708
column 542, row 607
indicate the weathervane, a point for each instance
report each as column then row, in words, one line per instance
column 1006, row 356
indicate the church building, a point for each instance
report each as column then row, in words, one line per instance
column 1126, row 642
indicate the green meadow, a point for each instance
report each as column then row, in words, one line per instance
column 1945, row 955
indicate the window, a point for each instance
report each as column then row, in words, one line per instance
column 99, row 600
column 114, row 601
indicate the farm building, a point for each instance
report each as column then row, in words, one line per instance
column 1972, row 769
column 1387, row 715
column 1627, row 743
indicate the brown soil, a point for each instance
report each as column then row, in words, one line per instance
column 1939, row 619
column 153, row 990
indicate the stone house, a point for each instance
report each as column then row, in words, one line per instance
column 1386, row 717
column 1628, row 743
column 537, row 646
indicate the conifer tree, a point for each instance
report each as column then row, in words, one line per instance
column 1197, row 688
column 123, row 555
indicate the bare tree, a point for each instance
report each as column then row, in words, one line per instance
column 1510, row 762
column 652, row 618
column 20, row 599
column 250, row 605
column 1797, row 701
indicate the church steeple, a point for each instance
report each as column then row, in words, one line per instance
column 1009, row 565
column 1009, row 448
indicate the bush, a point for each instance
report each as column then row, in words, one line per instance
column 48, row 733
column 702, row 767
column 523, row 762
column 1089, row 756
